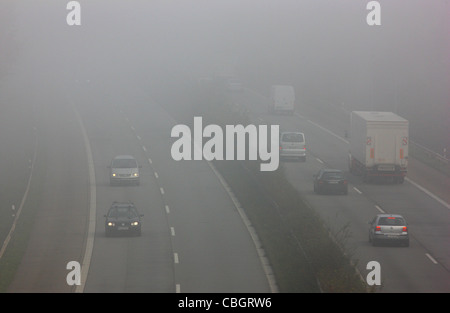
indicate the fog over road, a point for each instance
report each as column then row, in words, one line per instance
column 129, row 59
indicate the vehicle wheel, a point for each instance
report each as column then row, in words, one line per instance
column 303, row 159
column 346, row 192
column 315, row 189
column 406, row 243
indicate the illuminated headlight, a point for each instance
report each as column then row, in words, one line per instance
column 113, row 174
column 134, row 223
column 136, row 174
column 111, row 224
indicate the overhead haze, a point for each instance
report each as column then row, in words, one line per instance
column 323, row 47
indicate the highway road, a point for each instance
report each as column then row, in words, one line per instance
column 424, row 266
column 78, row 96
column 194, row 236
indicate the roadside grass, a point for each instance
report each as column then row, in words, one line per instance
column 304, row 255
column 19, row 240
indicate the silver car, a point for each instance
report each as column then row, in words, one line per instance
column 292, row 145
column 124, row 169
column 388, row 228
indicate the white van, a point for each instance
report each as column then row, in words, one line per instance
column 292, row 145
column 282, row 99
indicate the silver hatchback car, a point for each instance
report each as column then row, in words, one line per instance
column 388, row 228
column 124, row 169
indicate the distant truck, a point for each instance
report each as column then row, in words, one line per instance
column 282, row 99
column 378, row 145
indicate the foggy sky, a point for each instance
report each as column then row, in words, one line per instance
column 322, row 47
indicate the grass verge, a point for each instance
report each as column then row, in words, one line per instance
column 19, row 240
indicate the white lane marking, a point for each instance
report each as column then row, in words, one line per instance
column 172, row 231
column 431, row 258
column 328, row 131
column 175, row 258
column 429, row 193
column 357, row 190
column 156, row 175
column 167, row 209
column 320, row 161
column 144, row 148
column 132, row 128
column 162, row 190
column 92, row 208
column 379, row 209
column 444, row 203
column 258, row 245
column 150, row 161
column 138, row 137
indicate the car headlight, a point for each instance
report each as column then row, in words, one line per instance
column 136, row 174
column 134, row 223
column 113, row 174
column 111, row 224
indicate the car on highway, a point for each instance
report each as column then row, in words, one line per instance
column 388, row 228
column 124, row 169
column 292, row 145
column 330, row 181
column 123, row 217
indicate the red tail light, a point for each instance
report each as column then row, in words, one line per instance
column 405, row 228
column 345, row 182
column 378, row 228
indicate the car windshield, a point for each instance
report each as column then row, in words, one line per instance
column 391, row 221
column 128, row 212
column 292, row 137
column 124, row 163
column 333, row 175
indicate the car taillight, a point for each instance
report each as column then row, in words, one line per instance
column 378, row 228
column 405, row 228
column 320, row 181
column 345, row 182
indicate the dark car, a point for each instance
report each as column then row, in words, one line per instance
column 330, row 181
column 388, row 228
column 123, row 217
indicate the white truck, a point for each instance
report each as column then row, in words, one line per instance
column 282, row 99
column 378, row 145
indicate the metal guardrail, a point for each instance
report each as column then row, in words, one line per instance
column 431, row 154
column 429, row 157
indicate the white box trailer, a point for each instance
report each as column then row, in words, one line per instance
column 378, row 145
column 282, row 99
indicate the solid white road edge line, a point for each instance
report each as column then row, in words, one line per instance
column 92, row 208
column 260, row 251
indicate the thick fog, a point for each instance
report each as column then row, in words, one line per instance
column 325, row 48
